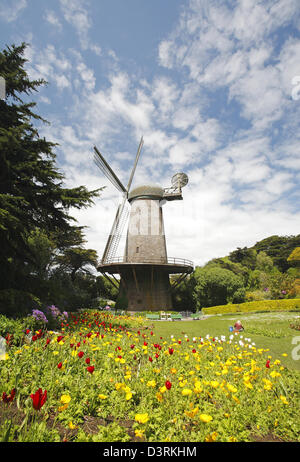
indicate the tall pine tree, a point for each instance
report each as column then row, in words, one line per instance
column 32, row 195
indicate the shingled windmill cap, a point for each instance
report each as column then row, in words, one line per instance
column 146, row 191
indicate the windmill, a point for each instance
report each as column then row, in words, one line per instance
column 144, row 268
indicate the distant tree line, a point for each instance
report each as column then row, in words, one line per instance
column 268, row 270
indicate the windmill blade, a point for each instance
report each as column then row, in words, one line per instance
column 107, row 170
column 135, row 164
column 116, row 231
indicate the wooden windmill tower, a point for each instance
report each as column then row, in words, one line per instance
column 144, row 268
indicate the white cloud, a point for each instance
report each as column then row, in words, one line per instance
column 52, row 19
column 76, row 13
column 240, row 175
column 10, row 9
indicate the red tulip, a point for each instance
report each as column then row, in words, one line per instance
column 90, row 369
column 80, row 354
column 268, row 364
column 38, row 399
column 171, row 351
column 194, row 351
column 168, row 385
column 88, row 360
column 8, row 398
column 150, row 359
column 59, row 365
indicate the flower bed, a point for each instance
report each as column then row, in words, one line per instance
column 109, row 378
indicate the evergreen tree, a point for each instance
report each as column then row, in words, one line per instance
column 32, row 195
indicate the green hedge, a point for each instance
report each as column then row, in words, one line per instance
column 263, row 305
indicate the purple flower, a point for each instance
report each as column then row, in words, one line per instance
column 65, row 314
column 54, row 311
column 39, row 315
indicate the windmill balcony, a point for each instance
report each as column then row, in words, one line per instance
column 151, row 261
column 170, row 264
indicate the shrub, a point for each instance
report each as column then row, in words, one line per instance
column 263, row 305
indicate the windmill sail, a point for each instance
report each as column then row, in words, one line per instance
column 108, row 172
column 123, row 209
column 116, row 231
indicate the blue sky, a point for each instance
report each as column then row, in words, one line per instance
column 214, row 88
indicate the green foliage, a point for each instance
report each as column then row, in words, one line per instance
column 113, row 432
column 105, row 289
column 34, row 205
column 122, row 302
column 244, row 256
column 182, row 295
column 236, row 267
column 13, row 327
column 216, row 286
column 278, row 248
column 294, row 256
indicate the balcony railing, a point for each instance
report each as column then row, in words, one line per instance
column 154, row 261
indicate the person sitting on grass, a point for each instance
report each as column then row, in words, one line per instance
column 238, row 327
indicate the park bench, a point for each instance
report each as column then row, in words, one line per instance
column 152, row 317
column 196, row 315
column 176, row 316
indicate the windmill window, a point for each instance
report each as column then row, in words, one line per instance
column 137, row 250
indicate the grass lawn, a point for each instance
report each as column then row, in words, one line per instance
column 267, row 330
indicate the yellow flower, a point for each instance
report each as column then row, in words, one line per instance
column 214, row 383
column 198, row 388
column 72, row 426
column 283, row 399
column 65, row 399
column 151, row 383
column 163, row 389
column 231, row 388
column 268, row 384
column 275, row 374
column 62, row 408
column 119, row 386
column 142, row 418
column 211, row 438
column 284, row 354
column 248, row 384
column 192, row 413
column 232, row 439
column 186, row 392
column 159, row 397
column 235, row 399
column 102, row 396
column 128, row 395
column 139, row 433
column 205, row 418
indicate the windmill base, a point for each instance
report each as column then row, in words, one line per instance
column 146, row 289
